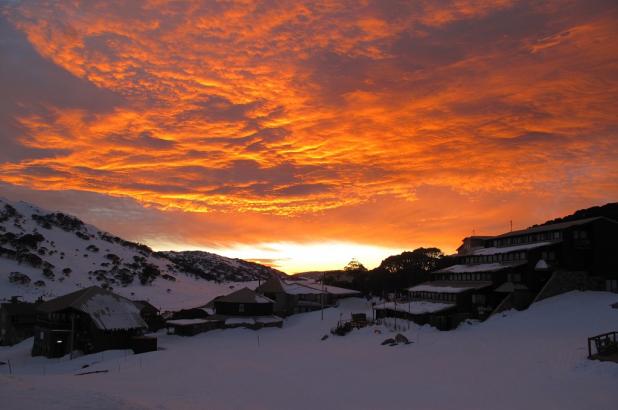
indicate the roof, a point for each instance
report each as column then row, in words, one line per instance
column 417, row 307
column 554, row 227
column 272, row 285
column 188, row 322
column 244, row 295
column 277, row 285
column 141, row 304
column 480, row 267
column 506, row 249
column 107, row 310
column 440, row 286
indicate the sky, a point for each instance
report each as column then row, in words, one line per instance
column 304, row 134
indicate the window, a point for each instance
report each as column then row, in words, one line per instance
column 241, row 308
column 575, row 234
column 611, row 285
column 514, row 277
column 557, row 235
column 583, row 234
column 478, row 299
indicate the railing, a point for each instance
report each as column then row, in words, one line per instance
column 605, row 344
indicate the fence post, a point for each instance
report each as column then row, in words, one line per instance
column 10, row 367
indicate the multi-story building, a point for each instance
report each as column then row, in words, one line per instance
column 515, row 268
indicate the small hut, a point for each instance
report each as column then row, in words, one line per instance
column 90, row 320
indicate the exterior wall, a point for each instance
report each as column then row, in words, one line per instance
column 562, row 282
column 244, row 309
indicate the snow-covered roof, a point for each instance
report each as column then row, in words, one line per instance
column 333, row 290
column 417, row 307
column 187, row 322
column 107, row 310
column 506, row 249
column 480, row 267
column 541, row 265
column 449, row 286
column 244, row 295
column 298, row 289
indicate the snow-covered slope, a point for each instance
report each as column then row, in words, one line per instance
column 48, row 254
column 533, row 359
column 213, row 266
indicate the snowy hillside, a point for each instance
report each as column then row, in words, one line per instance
column 48, row 254
column 210, row 265
column 533, row 359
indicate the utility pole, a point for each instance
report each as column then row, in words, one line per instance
column 322, row 296
column 71, row 344
column 511, row 225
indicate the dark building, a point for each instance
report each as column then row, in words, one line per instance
column 290, row 298
column 150, row 314
column 89, row 320
column 514, row 269
column 245, row 308
column 244, row 302
column 16, row 321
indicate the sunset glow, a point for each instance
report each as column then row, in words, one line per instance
column 305, row 134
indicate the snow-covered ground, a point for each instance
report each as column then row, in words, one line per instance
column 535, row 359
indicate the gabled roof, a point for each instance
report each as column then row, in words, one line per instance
column 554, row 227
column 244, row 295
column 107, row 310
column 480, row 267
column 515, row 248
column 441, row 286
column 272, row 285
column 142, row 304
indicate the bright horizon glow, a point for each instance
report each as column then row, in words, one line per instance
column 294, row 258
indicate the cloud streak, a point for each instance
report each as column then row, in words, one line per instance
column 305, row 109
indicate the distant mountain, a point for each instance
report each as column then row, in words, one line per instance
column 46, row 253
column 608, row 210
column 213, row 266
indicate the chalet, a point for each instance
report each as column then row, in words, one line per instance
column 16, row 321
column 290, row 298
column 302, row 295
column 246, row 308
column 514, row 269
column 89, row 320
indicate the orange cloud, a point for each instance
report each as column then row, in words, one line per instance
column 315, row 110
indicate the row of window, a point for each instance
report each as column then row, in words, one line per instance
column 434, row 296
column 536, row 237
column 463, row 276
column 499, row 257
column 580, row 235
column 548, row 256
